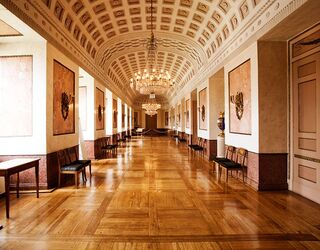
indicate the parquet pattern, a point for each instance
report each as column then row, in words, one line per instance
column 155, row 196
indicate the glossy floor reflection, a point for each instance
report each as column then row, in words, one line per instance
column 156, row 196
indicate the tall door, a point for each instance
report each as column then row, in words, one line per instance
column 306, row 125
column 151, row 122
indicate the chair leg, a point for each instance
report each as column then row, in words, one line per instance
column 59, row 180
column 18, row 185
column 76, row 179
column 90, row 174
column 84, row 176
column 227, row 175
column 243, row 175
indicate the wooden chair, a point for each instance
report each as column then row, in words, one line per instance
column 66, row 167
column 237, row 165
column 201, row 146
column 229, row 153
column 73, row 154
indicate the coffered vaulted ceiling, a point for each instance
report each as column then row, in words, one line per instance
column 107, row 38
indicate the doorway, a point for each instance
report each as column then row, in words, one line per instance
column 151, row 122
column 305, row 110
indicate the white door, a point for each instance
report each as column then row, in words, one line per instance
column 306, row 126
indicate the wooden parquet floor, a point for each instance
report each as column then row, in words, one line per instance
column 156, row 196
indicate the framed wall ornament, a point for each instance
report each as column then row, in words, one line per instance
column 100, row 109
column 63, row 99
column 123, row 116
column 115, row 113
column 166, row 118
column 179, row 116
column 203, row 110
column 240, row 99
column 188, row 113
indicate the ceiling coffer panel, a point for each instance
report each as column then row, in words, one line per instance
column 110, row 36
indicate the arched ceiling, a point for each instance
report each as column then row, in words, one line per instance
column 108, row 38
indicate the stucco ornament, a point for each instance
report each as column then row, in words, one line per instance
column 238, row 102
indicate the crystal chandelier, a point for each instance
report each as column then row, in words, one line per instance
column 151, row 108
column 151, row 80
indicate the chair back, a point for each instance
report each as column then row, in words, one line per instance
column 230, row 152
column 63, row 159
column 241, row 156
column 72, row 154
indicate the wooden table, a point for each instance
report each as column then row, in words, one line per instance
column 16, row 166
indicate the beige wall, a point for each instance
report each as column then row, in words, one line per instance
column 272, row 61
column 161, row 119
column 216, row 102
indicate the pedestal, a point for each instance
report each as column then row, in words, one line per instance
column 220, row 147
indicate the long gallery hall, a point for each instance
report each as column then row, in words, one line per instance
column 159, row 124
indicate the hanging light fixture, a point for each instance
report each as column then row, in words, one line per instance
column 151, row 107
column 151, row 80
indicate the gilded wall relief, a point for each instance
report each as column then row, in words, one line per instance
column 179, row 116
column 240, row 99
column 115, row 113
column 128, row 118
column 188, row 113
column 63, row 99
column 203, row 110
column 135, row 119
column 16, row 86
column 100, row 109
column 123, row 116
column 166, row 118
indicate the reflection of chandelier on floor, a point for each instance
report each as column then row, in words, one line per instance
column 151, row 108
column 151, row 80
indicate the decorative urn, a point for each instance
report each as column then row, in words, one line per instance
column 220, row 123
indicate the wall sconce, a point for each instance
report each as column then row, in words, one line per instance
column 66, row 101
column 100, row 112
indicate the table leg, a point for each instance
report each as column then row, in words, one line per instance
column 18, row 180
column 37, row 177
column 7, row 185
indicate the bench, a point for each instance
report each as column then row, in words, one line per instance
column 70, row 164
column 231, row 164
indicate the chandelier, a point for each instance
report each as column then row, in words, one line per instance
column 151, row 108
column 151, row 80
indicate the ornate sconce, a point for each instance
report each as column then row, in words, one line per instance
column 65, row 101
column 238, row 102
column 202, row 112
column 100, row 112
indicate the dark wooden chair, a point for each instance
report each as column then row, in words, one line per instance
column 229, row 153
column 201, row 146
column 73, row 154
column 237, row 165
column 67, row 167
column 182, row 139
